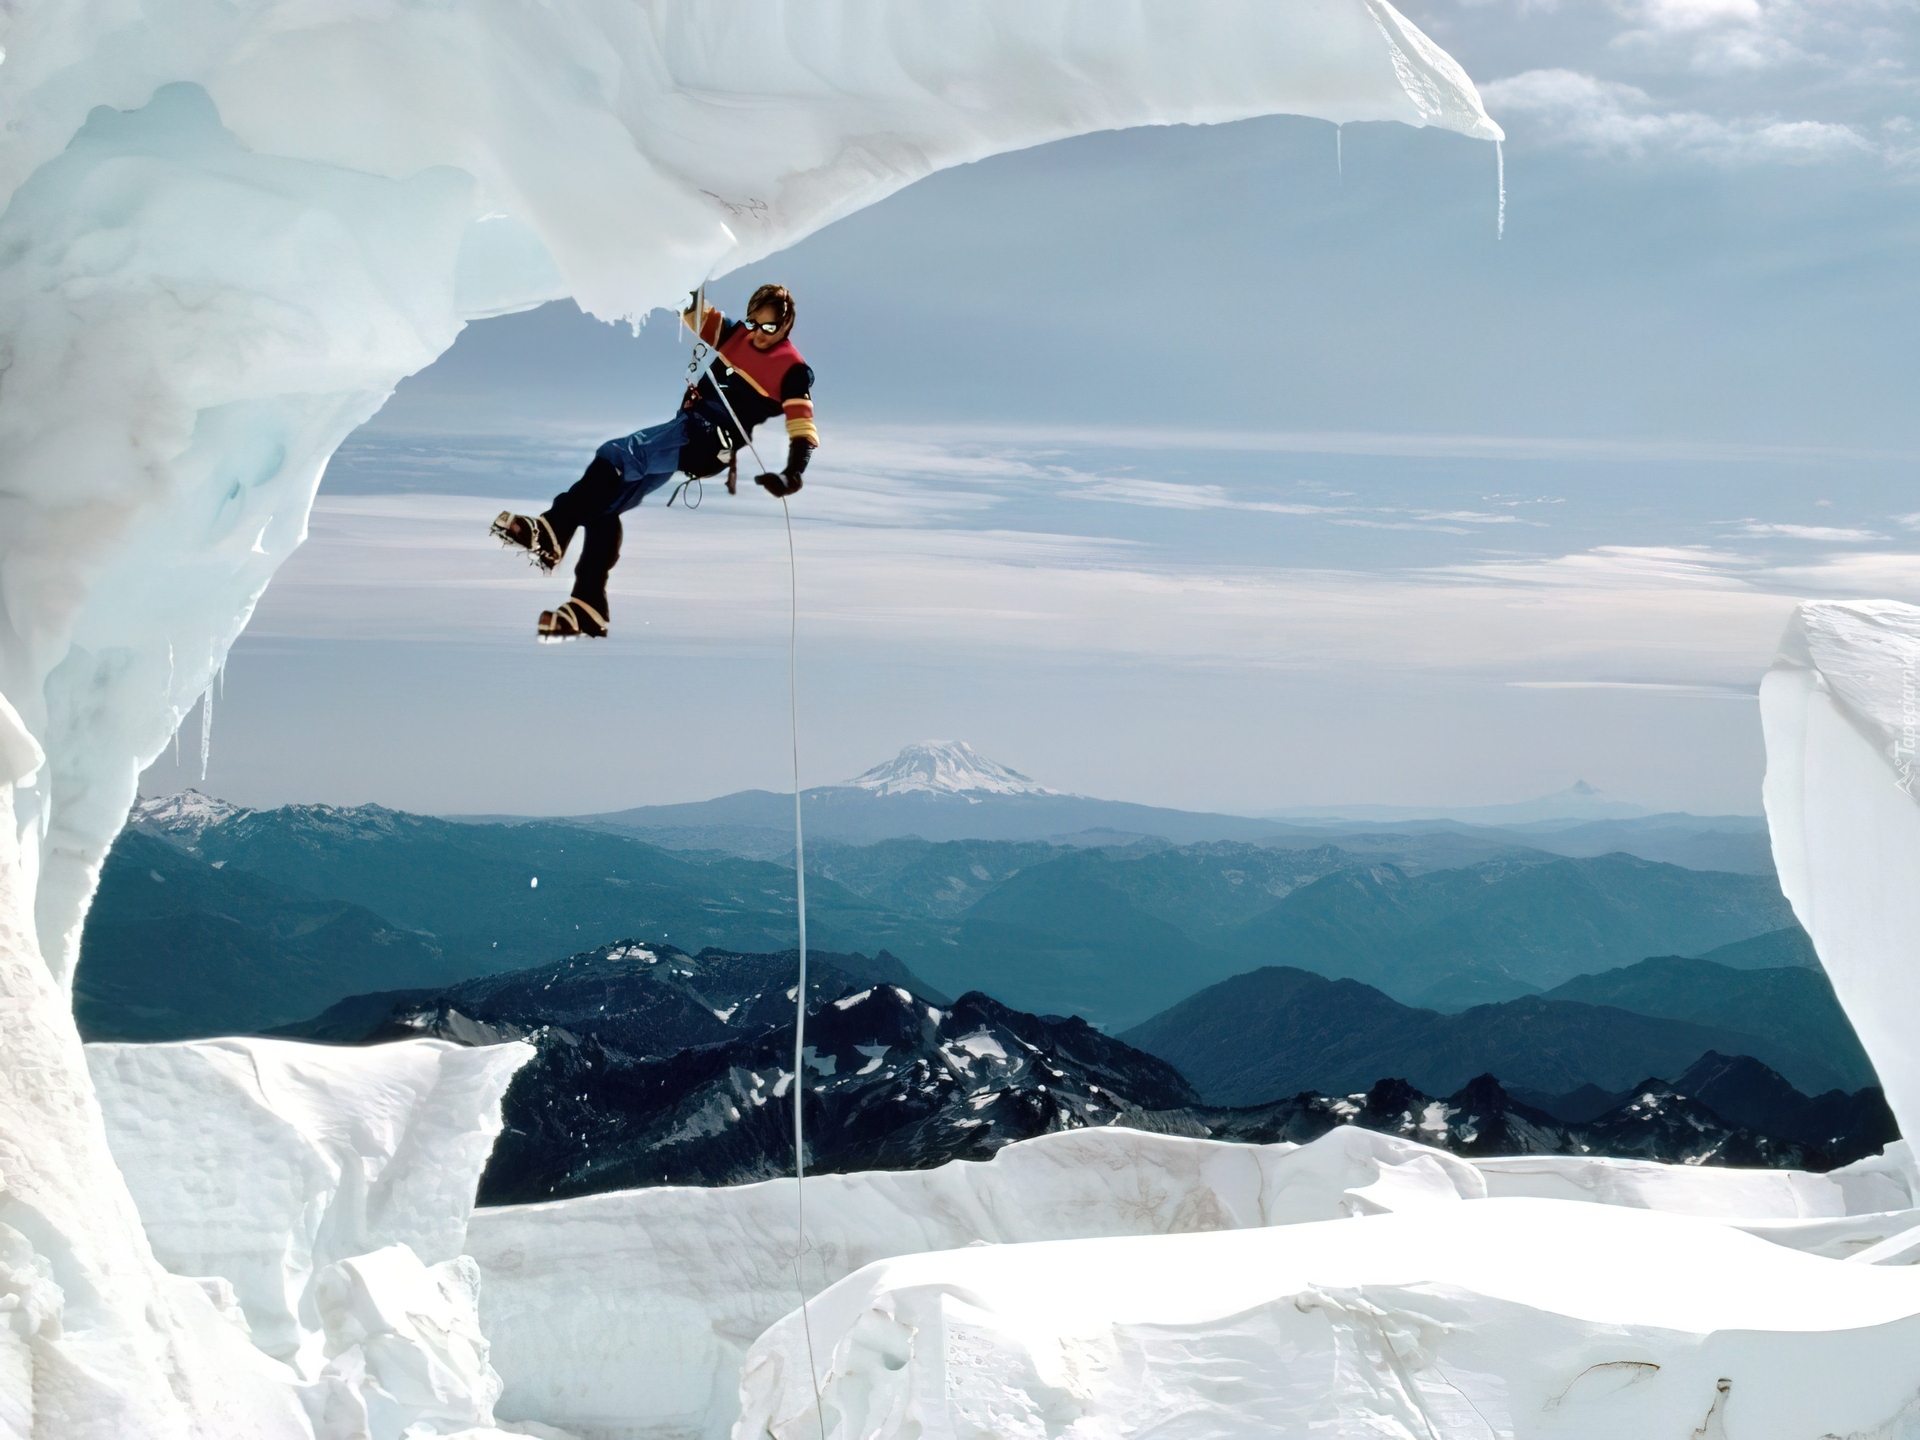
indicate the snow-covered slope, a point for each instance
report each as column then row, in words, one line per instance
column 1841, row 709
column 945, row 767
column 625, row 1315
column 183, row 816
column 1506, row 1318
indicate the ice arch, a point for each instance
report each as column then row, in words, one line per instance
column 230, row 229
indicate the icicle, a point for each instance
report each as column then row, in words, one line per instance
column 206, row 731
column 1500, row 175
column 1339, row 162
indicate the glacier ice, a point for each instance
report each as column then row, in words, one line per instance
column 97, row 1340
column 1504, row 1318
column 230, row 230
column 1841, row 710
column 265, row 1161
column 404, row 1352
column 627, row 1314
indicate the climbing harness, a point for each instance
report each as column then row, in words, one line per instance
column 697, row 367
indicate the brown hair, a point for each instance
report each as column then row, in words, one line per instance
column 774, row 298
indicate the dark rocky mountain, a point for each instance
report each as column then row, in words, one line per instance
column 658, row 1067
column 1479, row 1119
column 1793, row 1007
column 892, row 1083
column 1748, row 1093
column 1113, row 933
column 636, row 998
column 1653, row 1120
column 1280, row 1030
column 176, row 948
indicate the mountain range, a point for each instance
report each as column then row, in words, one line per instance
column 1116, row 935
column 1723, row 1110
column 250, row 930
column 653, row 1066
column 1279, row 1030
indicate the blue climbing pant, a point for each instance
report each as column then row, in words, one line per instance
column 623, row 473
column 645, row 460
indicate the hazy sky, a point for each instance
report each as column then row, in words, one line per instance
column 1183, row 466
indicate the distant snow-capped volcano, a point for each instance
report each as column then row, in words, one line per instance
column 946, row 767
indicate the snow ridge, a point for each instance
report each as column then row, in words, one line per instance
column 946, row 767
column 186, row 814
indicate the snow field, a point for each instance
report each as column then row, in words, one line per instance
column 287, row 1167
column 628, row 1314
column 1515, row 1317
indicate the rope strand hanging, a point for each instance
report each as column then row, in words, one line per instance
column 705, row 368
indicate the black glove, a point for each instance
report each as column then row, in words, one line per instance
column 777, row 484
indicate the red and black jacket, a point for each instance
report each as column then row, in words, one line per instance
column 760, row 384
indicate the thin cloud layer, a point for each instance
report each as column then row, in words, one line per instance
column 420, row 568
column 1722, row 82
column 1613, row 119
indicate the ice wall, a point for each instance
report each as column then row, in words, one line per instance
column 97, row 1342
column 265, row 1161
column 1841, row 708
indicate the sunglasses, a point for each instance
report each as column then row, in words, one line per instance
column 765, row 327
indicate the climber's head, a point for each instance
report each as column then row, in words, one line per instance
column 771, row 305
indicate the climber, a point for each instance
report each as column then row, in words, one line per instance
column 762, row 375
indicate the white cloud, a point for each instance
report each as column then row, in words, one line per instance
column 1835, row 533
column 1609, row 117
column 1702, row 692
column 1696, row 14
column 422, row 567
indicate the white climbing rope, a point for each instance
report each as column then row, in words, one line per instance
column 799, row 876
column 800, row 993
